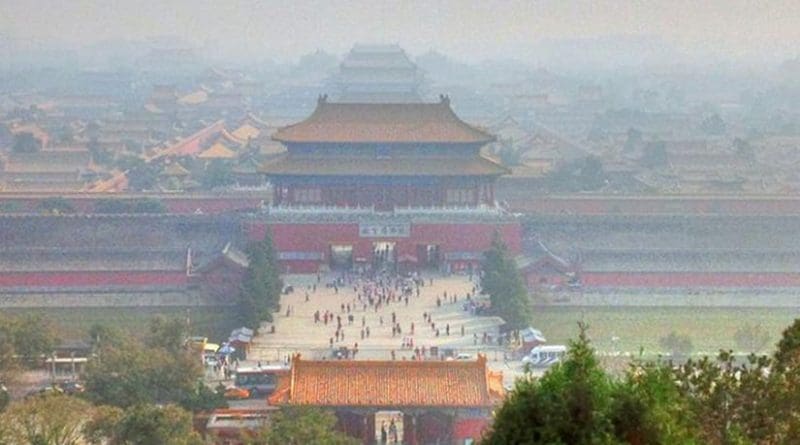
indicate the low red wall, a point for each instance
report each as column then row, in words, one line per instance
column 92, row 278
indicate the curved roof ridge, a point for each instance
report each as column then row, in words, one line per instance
column 354, row 122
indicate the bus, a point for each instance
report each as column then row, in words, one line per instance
column 259, row 380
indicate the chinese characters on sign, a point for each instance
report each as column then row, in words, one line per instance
column 384, row 230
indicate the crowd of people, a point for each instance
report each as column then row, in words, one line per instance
column 376, row 300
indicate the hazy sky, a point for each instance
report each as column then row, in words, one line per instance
column 467, row 29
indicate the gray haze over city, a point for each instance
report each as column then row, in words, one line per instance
column 318, row 202
column 582, row 33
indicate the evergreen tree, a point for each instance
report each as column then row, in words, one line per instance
column 503, row 283
column 261, row 289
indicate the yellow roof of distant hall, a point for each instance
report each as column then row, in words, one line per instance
column 246, row 132
column 217, row 151
column 175, row 169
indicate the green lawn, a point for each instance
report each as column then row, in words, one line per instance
column 73, row 323
column 710, row 328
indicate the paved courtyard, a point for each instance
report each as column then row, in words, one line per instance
column 298, row 332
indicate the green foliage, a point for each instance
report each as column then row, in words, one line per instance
column 218, row 173
column 261, row 289
column 713, row 125
column 788, row 353
column 576, row 402
column 56, row 204
column 26, row 142
column 23, row 341
column 52, row 419
column 585, row 174
column 302, row 426
column 714, row 401
column 125, row 373
column 503, row 283
column 150, row 424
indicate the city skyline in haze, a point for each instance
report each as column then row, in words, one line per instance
column 468, row 30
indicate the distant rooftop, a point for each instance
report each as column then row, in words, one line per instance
column 378, row 73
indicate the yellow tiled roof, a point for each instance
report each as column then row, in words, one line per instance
column 217, row 151
column 246, row 132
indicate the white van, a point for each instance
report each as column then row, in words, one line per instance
column 543, row 356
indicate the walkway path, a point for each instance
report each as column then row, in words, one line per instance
column 299, row 333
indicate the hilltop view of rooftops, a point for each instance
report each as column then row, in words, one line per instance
column 399, row 222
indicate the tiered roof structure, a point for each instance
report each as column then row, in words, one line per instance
column 378, row 74
column 399, row 127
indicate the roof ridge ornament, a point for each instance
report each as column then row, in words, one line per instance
column 444, row 99
column 322, row 99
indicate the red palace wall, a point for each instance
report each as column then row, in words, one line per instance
column 318, row 238
column 93, row 278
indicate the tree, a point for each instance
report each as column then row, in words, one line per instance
column 150, row 424
column 26, row 142
column 27, row 339
column 751, row 338
column 261, row 288
column 743, row 148
column 713, row 125
column 218, row 173
column 714, row 401
column 52, row 419
column 167, row 333
column 576, row 402
column 66, row 135
column 633, row 140
column 677, row 346
column 123, row 373
column 301, row 426
column 788, row 352
column 503, row 283
column 57, row 205
column 585, row 174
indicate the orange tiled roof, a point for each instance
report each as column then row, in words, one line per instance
column 353, row 166
column 395, row 122
column 386, row 384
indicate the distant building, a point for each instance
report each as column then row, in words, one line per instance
column 378, row 74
